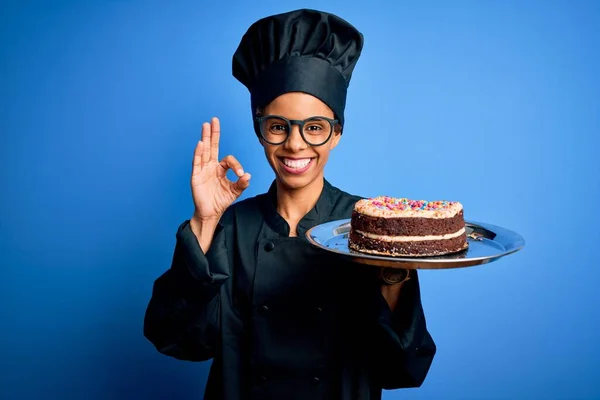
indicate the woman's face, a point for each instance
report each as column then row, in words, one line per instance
column 297, row 164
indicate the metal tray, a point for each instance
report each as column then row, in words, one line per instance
column 487, row 243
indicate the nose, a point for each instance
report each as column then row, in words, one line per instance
column 295, row 142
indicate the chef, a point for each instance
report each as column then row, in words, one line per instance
column 280, row 318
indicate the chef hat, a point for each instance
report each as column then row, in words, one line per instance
column 299, row 51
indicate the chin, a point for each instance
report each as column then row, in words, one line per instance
column 294, row 182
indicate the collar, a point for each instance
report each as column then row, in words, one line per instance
column 317, row 215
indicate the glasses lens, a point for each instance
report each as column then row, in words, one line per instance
column 274, row 130
column 317, row 130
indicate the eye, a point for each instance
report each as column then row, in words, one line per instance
column 313, row 127
column 316, row 127
column 278, row 127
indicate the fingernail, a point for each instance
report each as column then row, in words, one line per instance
column 240, row 172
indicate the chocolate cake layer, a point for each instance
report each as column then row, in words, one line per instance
column 420, row 248
column 407, row 226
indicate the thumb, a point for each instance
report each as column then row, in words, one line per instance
column 242, row 183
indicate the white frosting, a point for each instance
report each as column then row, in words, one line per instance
column 386, row 238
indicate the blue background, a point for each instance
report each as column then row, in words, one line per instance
column 493, row 103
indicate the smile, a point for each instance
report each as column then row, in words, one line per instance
column 295, row 166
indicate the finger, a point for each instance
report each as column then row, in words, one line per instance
column 205, row 143
column 230, row 162
column 242, row 183
column 214, row 141
column 197, row 162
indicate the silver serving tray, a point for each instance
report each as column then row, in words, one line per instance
column 487, row 243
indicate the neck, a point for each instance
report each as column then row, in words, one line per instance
column 294, row 204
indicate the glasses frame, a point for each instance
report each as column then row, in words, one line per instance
column 300, row 123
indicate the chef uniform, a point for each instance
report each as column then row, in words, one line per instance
column 280, row 318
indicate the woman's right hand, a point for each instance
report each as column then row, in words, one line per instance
column 212, row 191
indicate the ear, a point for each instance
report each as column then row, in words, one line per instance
column 337, row 136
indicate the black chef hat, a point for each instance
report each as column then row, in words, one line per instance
column 299, row 51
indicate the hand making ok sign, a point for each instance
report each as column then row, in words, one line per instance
column 212, row 191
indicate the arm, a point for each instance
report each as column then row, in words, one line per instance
column 182, row 317
column 402, row 349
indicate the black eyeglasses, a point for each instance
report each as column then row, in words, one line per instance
column 315, row 131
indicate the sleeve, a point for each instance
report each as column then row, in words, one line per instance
column 401, row 349
column 182, row 319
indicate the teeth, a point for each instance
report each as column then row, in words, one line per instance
column 296, row 164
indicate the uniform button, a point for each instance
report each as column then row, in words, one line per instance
column 319, row 310
column 264, row 308
column 316, row 380
column 269, row 246
column 263, row 379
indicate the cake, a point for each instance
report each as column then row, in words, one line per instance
column 407, row 228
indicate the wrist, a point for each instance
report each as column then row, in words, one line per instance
column 394, row 276
column 199, row 225
column 203, row 229
column 205, row 220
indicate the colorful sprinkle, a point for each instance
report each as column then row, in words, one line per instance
column 399, row 204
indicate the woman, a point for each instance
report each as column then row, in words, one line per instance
column 280, row 318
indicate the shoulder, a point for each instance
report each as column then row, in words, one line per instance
column 343, row 202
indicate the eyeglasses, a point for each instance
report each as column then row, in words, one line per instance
column 315, row 131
